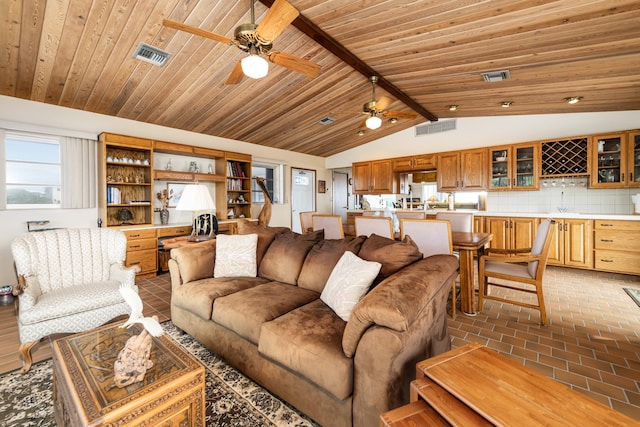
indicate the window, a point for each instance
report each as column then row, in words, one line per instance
column 272, row 174
column 33, row 171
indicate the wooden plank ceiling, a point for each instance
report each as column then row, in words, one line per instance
column 78, row 54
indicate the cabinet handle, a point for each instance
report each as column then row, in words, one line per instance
column 622, row 178
column 134, row 246
column 565, row 227
column 135, row 263
column 606, row 225
column 606, row 260
column 135, row 235
column 607, row 240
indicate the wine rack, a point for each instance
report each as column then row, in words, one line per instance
column 566, row 157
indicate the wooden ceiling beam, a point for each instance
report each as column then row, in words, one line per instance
column 325, row 40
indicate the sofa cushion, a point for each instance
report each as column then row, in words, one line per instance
column 285, row 256
column 195, row 261
column 321, row 259
column 394, row 255
column 198, row 296
column 348, row 282
column 244, row 312
column 266, row 235
column 236, row 256
column 307, row 341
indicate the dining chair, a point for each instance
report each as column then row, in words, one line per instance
column 410, row 214
column 460, row 222
column 331, row 224
column 368, row 225
column 432, row 236
column 521, row 273
column 306, row 224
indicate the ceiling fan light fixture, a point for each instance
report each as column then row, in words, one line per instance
column 373, row 122
column 254, row 66
column 573, row 99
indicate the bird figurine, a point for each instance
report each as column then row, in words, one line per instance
column 132, row 298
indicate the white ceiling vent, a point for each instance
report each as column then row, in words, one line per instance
column 327, row 120
column 436, row 127
column 495, row 76
column 151, row 54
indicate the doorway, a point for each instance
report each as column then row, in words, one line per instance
column 341, row 194
column 303, row 195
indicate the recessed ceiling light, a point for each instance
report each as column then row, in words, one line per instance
column 360, row 132
column 506, row 104
column 452, row 107
column 393, row 120
column 573, row 99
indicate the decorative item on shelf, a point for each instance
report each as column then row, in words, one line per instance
column 168, row 166
column 164, row 196
column 124, row 216
column 210, row 169
column 241, row 199
column 196, row 198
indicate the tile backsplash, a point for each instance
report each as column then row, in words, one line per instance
column 575, row 199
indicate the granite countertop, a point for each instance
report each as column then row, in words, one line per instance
column 569, row 215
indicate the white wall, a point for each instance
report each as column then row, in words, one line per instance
column 26, row 115
column 488, row 131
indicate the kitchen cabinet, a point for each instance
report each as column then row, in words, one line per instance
column 374, row 177
column 462, row 171
column 615, row 160
column 571, row 243
column 514, row 167
column 511, row 232
column 424, row 162
column 617, row 246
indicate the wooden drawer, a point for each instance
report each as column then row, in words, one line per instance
column 603, row 224
column 146, row 260
column 618, row 261
column 141, row 244
column 183, row 230
column 618, row 240
column 145, row 233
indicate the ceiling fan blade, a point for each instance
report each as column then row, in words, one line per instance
column 279, row 16
column 295, row 63
column 236, row 75
column 383, row 103
column 399, row 115
column 194, row 30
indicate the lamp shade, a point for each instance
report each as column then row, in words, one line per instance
column 254, row 66
column 195, row 197
column 373, row 122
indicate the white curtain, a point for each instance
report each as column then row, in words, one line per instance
column 79, row 174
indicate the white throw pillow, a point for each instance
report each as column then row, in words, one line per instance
column 349, row 281
column 236, row 255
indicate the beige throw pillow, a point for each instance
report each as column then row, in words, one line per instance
column 348, row 282
column 236, row 255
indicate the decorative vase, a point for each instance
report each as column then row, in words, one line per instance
column 164, row 217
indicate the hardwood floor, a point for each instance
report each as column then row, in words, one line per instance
column 592, row 343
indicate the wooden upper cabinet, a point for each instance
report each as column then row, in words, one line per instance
column 375, row 177
column 462, row 170
column 514, row 167
column 615, row 160
column 424, row 162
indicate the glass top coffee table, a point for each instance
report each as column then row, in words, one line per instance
column 171, row 394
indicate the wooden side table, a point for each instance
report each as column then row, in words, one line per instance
column 171, row 394
column 475, row 386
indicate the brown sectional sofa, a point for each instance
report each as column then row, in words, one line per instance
column 276, row 329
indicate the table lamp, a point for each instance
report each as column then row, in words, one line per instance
column 196, row 198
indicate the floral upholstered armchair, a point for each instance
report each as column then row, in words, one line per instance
column 68, row 282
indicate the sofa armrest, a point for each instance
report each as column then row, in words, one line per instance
column 122, row 274
column 400, row 299
column 192, row 262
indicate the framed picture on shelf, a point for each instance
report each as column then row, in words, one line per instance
column 322, row 186
column 178, row 189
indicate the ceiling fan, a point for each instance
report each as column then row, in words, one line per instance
column 377, row 108
column 257, row 41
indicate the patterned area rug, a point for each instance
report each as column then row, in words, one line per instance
column 634, row 294
column 231, row 398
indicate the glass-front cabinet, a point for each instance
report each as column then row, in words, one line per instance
column 615, row 160
column 514, row 167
